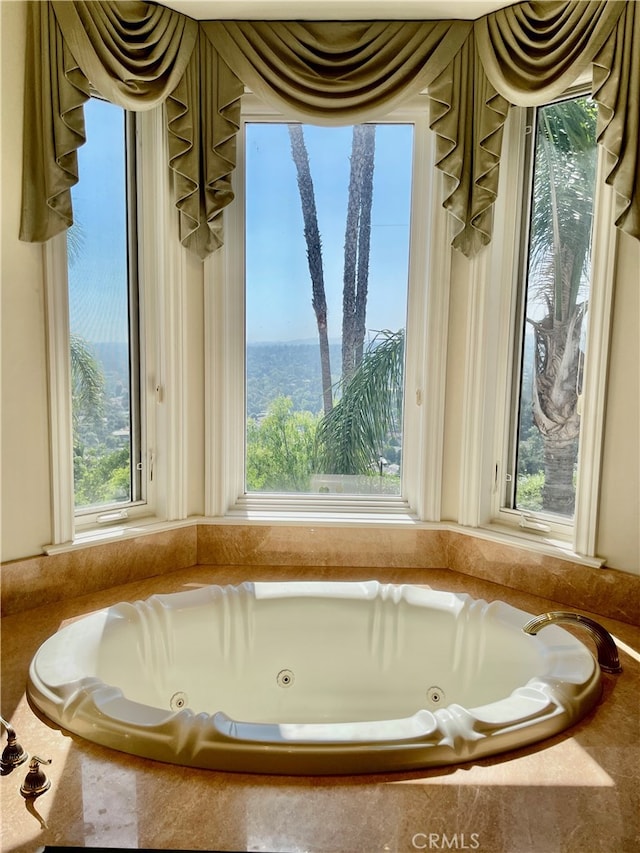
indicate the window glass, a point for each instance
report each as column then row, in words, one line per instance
column 103, row 316
column 326, row 266
column 555, row 309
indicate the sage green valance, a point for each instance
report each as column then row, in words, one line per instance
column 337, row 72
column 139, row 54
column 532, row 51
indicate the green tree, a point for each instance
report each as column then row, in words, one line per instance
column 87, row 383
column 280, row 449
column 100, row 476
column 101, row 472
column 352, row 438
column 560, row 257
column 357, row 247
column 314, row 255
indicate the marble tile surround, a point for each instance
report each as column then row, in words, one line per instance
column 47, row 579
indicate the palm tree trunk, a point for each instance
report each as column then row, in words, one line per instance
column 558, row 494
column 351, row 258
column 357, row 247
column 314, row 255
column 555, row 407
column 364, row 238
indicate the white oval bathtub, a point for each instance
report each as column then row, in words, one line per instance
column 312, row 678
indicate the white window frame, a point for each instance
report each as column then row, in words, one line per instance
column 162, row 272
column 426, row 350
column 489, row 364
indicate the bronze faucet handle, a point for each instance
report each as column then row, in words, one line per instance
column 13, row 754
column 35, row 782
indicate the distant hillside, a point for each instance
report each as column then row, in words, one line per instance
column 273, row 370
column 114, row 358
column 291, row 370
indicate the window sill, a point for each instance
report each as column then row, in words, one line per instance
column 540, row 542
column 102, row 535
column 334, row 510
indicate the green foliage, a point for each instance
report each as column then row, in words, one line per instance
column 566, row 159
column 286, row 446
column 529, row 494
column 101, row 476
column 353, row 436
column 280, row 449
column 285, row 369
column 87, row 382
column 100, row 400
column 530, row 451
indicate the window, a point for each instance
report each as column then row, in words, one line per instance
column 553, row 312
column 402, row 468
column 116, row 293
column 103, row 315
column 327, row 214
column 536, row 394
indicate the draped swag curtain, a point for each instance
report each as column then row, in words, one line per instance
column 138, row 54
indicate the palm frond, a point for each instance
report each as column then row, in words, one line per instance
column 562, row 212
column 87, row 378
column 350, row 438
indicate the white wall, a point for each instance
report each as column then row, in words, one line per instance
column 619, row 527
column 26, row 521
column 26, row 516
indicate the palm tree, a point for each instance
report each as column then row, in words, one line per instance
column 559, row 266
column 353, row 431
column 351, row 438
column 357, row 245
column 87, row 382
column 356, row 250
column 314, row 255
column 75, row 242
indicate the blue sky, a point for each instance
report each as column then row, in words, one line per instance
column 278, row 282
column 98, row 275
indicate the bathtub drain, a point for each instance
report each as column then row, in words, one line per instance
column 285, row 678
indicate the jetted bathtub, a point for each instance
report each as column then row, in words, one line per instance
column 312, row 678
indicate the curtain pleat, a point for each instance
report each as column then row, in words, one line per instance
column 527, row 54
column 53, row 127
column 468, row 117
column 134, row 53
column 532, row 51
column 139, row 54
column 616, row 88
column 203, row 118
column 336, row 72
